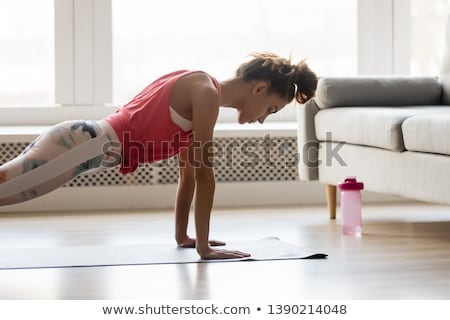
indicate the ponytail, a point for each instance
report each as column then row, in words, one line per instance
column 287, row 80
column 305, row 81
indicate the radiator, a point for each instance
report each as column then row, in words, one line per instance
column 238, row 159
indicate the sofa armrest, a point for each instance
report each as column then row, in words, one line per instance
column 377, row 91
column 307, row 143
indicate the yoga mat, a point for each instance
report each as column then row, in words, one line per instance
column 142, row 254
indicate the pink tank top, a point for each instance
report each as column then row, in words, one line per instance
column 145, row 128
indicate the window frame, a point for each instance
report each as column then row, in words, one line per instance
column 83, row 56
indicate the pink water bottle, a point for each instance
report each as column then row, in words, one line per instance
column 351, row 206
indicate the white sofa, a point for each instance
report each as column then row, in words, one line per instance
column 393, row 133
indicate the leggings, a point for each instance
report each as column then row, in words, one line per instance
column 58, row 155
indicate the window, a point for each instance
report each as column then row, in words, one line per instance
column 153, row 38
column 427, row 45
column 108, row 50
column 27, row 54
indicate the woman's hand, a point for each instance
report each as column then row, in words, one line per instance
column 212, row 254
column 190, row 243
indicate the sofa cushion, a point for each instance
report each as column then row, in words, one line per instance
column 371, row 126
column 428, row 133
column 377, row 91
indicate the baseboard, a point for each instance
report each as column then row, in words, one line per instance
column 287, row 193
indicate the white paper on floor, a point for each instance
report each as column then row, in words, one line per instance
column 143, row 254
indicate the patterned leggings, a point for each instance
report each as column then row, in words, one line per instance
column 56, row 157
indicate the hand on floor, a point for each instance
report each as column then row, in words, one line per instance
column 223, row 254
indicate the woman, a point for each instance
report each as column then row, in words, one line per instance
column 175, row 114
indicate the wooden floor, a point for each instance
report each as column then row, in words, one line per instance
column 404, row 253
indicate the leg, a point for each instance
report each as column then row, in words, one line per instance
column 331, row 200
column 39, row 190
column 45, row 150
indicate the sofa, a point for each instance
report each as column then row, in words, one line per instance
column 391, row 132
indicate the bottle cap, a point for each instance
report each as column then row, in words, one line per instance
column 350, row 183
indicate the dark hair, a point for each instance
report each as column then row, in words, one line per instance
column 286, row 79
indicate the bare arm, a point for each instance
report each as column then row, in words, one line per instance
column 185, row 193
column 205, row 109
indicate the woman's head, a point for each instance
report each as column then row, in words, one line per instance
column 285, row 79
